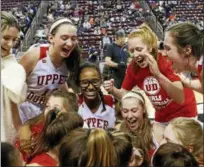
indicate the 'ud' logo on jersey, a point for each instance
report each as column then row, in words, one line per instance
column 151, row 85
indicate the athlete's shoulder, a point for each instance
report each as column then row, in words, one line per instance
column 30, row 59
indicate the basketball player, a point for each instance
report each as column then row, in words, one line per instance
column 48, row 67
column 96, row 109
column 184, row 45
column 155, row 76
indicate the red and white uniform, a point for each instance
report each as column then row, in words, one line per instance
column 42, row 81
column 36, row 130
column 166, row 108
column 200, row 67
column 99, row 119
column 44, row 159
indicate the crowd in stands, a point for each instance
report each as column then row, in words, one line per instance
column 96, row 20
column 174, row 11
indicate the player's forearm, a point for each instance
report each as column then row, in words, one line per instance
column 173, row 89
column 195, row 85
column 118, row 93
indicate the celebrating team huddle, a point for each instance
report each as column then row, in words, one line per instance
column 46, row 121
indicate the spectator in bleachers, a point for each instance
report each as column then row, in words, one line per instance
column 106, row 40
column 86, row 25
column 12, row 78
column 97, row 31
column 93, row 54
column 92, row 21
column 50, row 16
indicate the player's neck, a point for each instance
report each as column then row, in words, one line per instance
column 55, row 58
column 93, row 104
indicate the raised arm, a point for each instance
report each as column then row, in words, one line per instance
column 173, row 89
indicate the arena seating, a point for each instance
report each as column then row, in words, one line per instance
column 170, row 12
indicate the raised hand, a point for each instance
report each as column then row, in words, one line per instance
column 153, row 66
column 108, row 85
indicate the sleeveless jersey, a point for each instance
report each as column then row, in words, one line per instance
column 99, row 119
column 200, row 67
column 42, row 81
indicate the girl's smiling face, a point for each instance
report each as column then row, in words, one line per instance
column 136, row 48
column 133, row 113
column 9, row 39
column 90, row 82
column 175, row 54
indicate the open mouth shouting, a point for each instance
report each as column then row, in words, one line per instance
column 140, row 60
column 66, row 52
column 132, row 123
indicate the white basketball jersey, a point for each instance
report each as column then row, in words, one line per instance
column 42, row 81
column 99, row 119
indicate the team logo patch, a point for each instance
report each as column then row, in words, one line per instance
column 151, row 85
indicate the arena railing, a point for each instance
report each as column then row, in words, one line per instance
column 31, row 32
column 152, row 20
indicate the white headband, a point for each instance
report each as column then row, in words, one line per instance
column 134, row 94
column 59, row 22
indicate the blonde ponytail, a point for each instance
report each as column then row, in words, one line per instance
column 147, row 35
column 100, row 149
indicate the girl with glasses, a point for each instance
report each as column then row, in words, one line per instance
column 96, row 109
